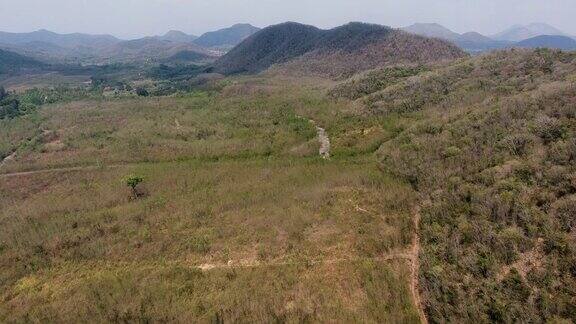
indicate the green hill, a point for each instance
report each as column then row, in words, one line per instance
column 336, row 52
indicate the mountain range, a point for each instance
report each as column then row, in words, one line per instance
column 98, row 49
column 334, row 52
column 532, row 35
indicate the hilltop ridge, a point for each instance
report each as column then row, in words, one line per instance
column 336, row 52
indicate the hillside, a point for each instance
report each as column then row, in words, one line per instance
column 11, row 63
column 335, row 53
column 549, row 41
column 492, row 152
column 226, row 38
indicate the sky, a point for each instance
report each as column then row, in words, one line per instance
column 135, row 18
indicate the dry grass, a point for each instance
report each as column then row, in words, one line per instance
column 494, row 151
column 227, row 178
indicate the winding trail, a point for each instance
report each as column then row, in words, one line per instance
column 322, row 138
column 415, row 267
column 324, row 142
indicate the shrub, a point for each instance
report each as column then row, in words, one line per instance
column 548, row 128
column 517, row 144
column 142, row 92
column 565, row 211
column 132, row 181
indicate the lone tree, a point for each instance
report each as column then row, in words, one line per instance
column 133, row 181
column 3, row 93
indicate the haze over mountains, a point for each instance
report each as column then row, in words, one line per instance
column 79, row 48
column 334, row 52
column 475, row 42
column 518, row 33
column 98, row 49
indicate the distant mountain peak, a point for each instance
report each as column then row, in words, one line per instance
column 518, row 33
column 177, row 36
column 175, row 32
column 227, row 37
column 242, row 25
column 434, row 30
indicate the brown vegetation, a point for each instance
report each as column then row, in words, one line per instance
column 335, row 53
column 494, row 151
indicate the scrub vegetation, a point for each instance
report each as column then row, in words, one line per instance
column 447, row 194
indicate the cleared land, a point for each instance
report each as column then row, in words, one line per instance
column 240, row 220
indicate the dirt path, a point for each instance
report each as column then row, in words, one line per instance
column 322, row 138
column 324, row 143
column 243, row 264
column 411, row 256
column 415, row 267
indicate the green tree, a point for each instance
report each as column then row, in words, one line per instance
column 3, row 93
column 9, row 108
column 132, row 181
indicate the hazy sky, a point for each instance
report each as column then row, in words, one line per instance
column 134, row 18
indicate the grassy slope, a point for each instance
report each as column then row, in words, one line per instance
column 229, row 177
column 494, row 156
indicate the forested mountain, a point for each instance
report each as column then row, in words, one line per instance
column 336, row 52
